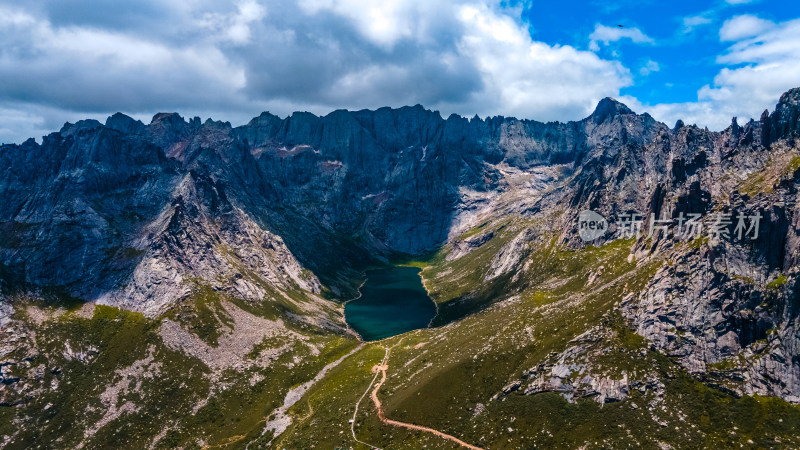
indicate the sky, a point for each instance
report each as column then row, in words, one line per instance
column 700, row 61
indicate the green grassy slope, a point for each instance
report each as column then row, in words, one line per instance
column 446, row 377
column 173, row 399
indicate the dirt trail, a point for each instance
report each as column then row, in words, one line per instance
column 382, row 416
column 281, row 420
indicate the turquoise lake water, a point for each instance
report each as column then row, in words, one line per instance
column 392, row 302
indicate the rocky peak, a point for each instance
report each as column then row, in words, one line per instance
column 609, row 107
column 789, row 98
column 162, row 117
column 174, row 216
column 167, row 129
column 265, row 119
column 173, row 122
column 124, row 124
column 785, row 120
column 72, row 129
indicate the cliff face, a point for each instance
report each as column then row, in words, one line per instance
column 727, row 309
column 129, row 214
column 81, row 207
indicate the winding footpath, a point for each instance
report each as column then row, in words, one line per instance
column 382, row 368
column 281, row 420
column 353, row 420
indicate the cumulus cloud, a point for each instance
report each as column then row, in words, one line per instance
column 764, row 62
column 63, row 59
column 89, row 69
column 692, row 22
column 234, row 27
column 649, row 67
column 743, row 26
column 606, row 35
column 384, row 22
column 325, row 55
column 66, row 59
column 532, row 79
column 466, row 58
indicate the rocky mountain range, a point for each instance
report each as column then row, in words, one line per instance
column 207, row 264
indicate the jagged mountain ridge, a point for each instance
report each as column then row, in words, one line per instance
column 125, row 213
column 391, row 179
column 256, row 228
column 388, row 180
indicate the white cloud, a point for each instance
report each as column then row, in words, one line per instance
column 738, row 2
column 65, row 60
column 482, row 61
column 743, row 26
column 532, row 79
column 607, row 35
column 692, row 22
column 233, row 60
column 649, row 67
column 14, row 122
column 86, row 69
column 234, row 27
column 771, row 61
column 383, row 22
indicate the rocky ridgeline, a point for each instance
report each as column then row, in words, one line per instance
column 130, row 214
column 576, row 373
column 726, row 309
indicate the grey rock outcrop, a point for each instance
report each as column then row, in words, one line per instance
column 132, row 214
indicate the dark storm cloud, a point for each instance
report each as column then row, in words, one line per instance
column 140, row 16
column 309, row 57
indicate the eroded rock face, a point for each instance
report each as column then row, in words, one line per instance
column 95, row 208
column 727, row 310
column 577, row 373
column 129, row 214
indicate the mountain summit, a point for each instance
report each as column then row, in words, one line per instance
column 608, row 107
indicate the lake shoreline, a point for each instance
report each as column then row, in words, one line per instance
column 391, row 301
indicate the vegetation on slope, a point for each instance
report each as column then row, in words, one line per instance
column 120, row 386
column 451, row 378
